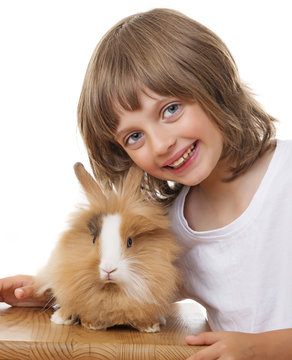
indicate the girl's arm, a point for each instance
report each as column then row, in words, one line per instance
column 20, row 290
column 235, row 345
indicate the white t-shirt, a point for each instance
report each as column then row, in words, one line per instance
column 242, row 273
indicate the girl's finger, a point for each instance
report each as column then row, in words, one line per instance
column 205, row 338
column 24, row 292
column 209, row 353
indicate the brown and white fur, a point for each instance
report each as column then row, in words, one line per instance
column 115, row 265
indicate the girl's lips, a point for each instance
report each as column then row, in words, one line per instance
column 178, row 163
column 178, row 155
column 188, row 162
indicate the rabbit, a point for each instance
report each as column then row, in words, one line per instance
column 116, row 263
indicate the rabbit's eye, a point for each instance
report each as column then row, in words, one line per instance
column 94, row 226
column 94, row 238
column 129, row 242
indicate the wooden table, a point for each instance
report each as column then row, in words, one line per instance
column 28, row 333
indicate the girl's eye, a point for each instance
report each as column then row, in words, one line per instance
column 171, row 110
column 133, row 138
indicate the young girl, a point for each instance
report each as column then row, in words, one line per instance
column 163, row 91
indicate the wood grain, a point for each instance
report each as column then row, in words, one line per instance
column 28, row 333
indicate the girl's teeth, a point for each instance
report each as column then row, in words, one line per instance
column 183, row 159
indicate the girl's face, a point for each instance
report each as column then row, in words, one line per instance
column 170, row 139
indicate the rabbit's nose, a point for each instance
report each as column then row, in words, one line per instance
column 108, row 270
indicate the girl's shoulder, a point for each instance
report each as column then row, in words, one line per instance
column 284, row 146
column 179, row 201
column 282, row 156
column 176, row 211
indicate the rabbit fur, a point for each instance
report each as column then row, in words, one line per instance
column 116, row 263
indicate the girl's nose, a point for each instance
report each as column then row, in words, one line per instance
column 162, row 142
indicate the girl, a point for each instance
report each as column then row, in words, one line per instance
column 163, row 91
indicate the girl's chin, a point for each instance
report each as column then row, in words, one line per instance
column 193, row 178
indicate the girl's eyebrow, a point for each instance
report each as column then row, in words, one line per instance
column 120, row 134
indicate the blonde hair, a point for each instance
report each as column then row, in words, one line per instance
column 172, row 55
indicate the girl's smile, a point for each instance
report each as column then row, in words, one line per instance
column 181, row 162
column 170, row 139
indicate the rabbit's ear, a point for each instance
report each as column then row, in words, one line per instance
column 132, row 182
column 91, row 188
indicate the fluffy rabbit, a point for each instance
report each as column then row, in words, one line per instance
column 115, row 265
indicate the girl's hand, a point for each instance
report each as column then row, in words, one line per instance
column 224, row 345
column 20, row 290
column 241, row 346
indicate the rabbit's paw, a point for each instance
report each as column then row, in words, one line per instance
column 57, row 318
column 90, row 326
column 151, row 329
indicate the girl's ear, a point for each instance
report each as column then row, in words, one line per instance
column 91, row 188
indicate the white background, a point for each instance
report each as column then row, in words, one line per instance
column 45, row 49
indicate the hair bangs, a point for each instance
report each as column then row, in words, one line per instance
column 130, row 70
